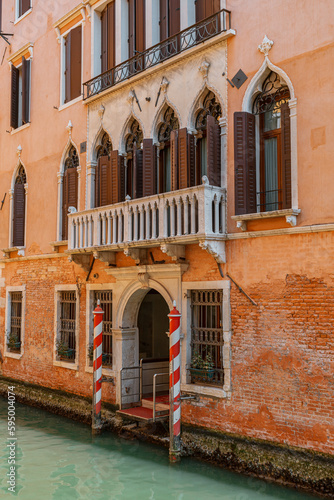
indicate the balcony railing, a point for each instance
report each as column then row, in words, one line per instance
column 190, row 37
column 183, row 216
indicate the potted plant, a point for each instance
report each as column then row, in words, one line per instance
column 63, row 350
column 13, row 342
column 202, row 368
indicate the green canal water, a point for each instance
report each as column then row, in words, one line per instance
column 58, row 459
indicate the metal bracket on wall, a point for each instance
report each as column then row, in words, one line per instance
column 3, row 201
column 242, row 291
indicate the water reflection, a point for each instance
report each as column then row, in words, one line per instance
column 58, row 459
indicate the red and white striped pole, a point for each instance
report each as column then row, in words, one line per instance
column 97, row 368
column 174, row 384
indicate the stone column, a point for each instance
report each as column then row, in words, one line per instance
column 125, row 354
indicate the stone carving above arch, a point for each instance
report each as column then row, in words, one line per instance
column 97, row 142
column 198, row 103
column 159, row 118
column 127, row 130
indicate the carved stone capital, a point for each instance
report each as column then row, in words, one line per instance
column 72, row 210
column 265, row 46
column 143, row 279
column 216, row 249
column 69, row 129
column 101, row 111
column 242, row 224
column 19, row 151
column 175, row 251
column 130, row 97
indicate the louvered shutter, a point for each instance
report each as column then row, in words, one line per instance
column 64, row 209
column 104, row 181
column 117, row 178
column 111, row 35
column 75, row 62
column 174, row 160
column 25, row 90
column 213, row 151
column 200, row 10
column 191, row 159
column 184, row 167
column 132, row 38
column 104, row 40
column 163, row 20
column 174, row 17
column 70, row 196
column 14, row 110
column 137, row 172
column 286, row 155
column 244, row 163
column 149, row 168
column 68, row 67
column 97, row 184
column 140, row 25
column 19, row 215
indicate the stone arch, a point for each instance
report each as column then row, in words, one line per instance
column 126, row 130
column 158, row 119
column 102, row 130
column 16, row 171
column 131, row 299
column 66, row 150
column 198, row 102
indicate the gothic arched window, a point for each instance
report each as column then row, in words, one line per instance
column 70, row 187
column 19, row 208
column 134, row 161
column 102, row 172
column 167, row 136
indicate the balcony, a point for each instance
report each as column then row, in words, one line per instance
column 176, row 44
column 169, row 220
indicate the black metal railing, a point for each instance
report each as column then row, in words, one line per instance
column 270, row 200
column 190, row 37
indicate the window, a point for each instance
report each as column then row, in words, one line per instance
column 72, row 69
column 134, row 161
column 207, row 338
column 109, row 175
column 167, row 137
column 105, row 298
column 263, row 151
column 208, row 149
column 169, row 18
column 70, row 188
column 19, row 209
column 14, row 333
column 66, row 338
column 22, row 6
column 108, row 42
column 20, row 94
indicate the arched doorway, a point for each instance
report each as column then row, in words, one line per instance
column 152, row 326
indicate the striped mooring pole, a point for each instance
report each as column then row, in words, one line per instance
column 97, row 368
column 174, row 384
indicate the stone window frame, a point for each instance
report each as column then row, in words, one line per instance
column 186, row 386
column 90, row 289
column 57, row 292
column 9, row 290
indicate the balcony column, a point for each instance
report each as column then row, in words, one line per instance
column 130, row 213
column 187, row 14
column 114, row 228
column 148, row 228
column 186, row 215
column 90, row 198
column 172, row 218
column 142, row 218
column 109, row 228
column 179, row 217
column 193, row 214
column 120, row 227
column 104, row 225
column 154, row 221
column 135, row 224
column 87, row 232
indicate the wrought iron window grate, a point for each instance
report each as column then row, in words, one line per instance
column 105, row 298
column 66, row 344
column 14, row 338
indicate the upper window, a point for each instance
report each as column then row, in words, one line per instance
column 136, row 27
column 70, row 187
column 263, row 159
column 22, row 6
column 20, row 94
column 72, row 65
column 19, row 209
column 102, row 173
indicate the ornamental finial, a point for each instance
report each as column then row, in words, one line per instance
column 265, row 46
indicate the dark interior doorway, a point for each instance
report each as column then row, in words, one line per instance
column 153, row 324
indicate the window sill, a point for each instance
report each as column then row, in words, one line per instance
column 68, row 104
column 56, row 244
column 23, row 16
column 13, row 355
column 68, row 365
column 18, row 129
column 290, row 215
column 7, row 251
column 205, row 390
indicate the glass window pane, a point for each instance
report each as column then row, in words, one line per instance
column 271, row 176
column 272, row 120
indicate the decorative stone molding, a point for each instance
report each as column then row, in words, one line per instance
column 205, row 180
column 143, row 278
column 130, row 98
column 290, row 215
column 101, row 111
column 139, row 255
column 216, row 249
column 241, row 224
column 204, row 69
column 19, row 151
column 60, row 176
column 291, row 219
column 265, row 46
column 69, row 129
column 107, row 257
column 164, row 84
column 81, row 260
column 177, row 252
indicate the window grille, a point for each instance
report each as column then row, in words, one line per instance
column 105, row 147
column 66, row 342
column 207, row 339
column 14, row 337
column 210, row 107
column 170, row 122
column 72, row 160
column 135, row 136
column 105, row 298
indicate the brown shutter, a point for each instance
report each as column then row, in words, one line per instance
column 137, row 172
column 117, row 178
column 213, row 151
column 244, row 163
column 174, row 17
column 104, row 40
column 200, row 10
column 75, row 62
column 286, row 155
column 163, row 20
column 174, row 159
column 149, row 168
column 68, row 67
column 97, row 184
column 70, row 196
column 132, row 38
column 25, row 90
column 64, row 209
column 19, row 215
column 140, row 25
column 184, row 167
column 111, row 35
column 104, row 181
column 191, row 159
column 25, row 6
column 14, row 98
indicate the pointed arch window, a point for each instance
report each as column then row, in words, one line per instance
column 70, row 187
column 208, row 148
column 167, row 137
column 134, row 162
column 109, row 174
column 19, row 208
column 263, row 151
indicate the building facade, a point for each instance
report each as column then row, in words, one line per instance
column 174, row 150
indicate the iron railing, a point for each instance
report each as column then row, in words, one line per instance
column 190, row 37
column 270, row 200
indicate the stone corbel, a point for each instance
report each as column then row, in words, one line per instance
column 216, row 249
column 58, row 34
column 82, row 260
column 143, row 279
column 242, row 224
column 107, row 257
column 177, row 252
column 83, row 14
column 204, row 69
column 139, row 255
column 291, row 219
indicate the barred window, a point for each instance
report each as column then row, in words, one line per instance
column 66, row 338
column 207, row 339
column 105, row 298
column 14, row 335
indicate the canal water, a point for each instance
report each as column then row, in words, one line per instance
column 58, row 459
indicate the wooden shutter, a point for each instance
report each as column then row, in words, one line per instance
column 19, row 215
column 140, row 25
column 111, row 35
column 117, row 178
column 191, row 159
column 213, row 151
column 132, row 31
column 184, row 167
column 244, row 163
column 68, row 67
column 200, row 10
column 174, row 17
column 14, row 110
column 76, row 62
column 25, row 5
column 25, row 90
column 70, row 196
column 104, row 40
column 174, row 160
column 163, row 20
column 104, row 181
column 137, row 172
column 286, row 155
column 149, row 168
